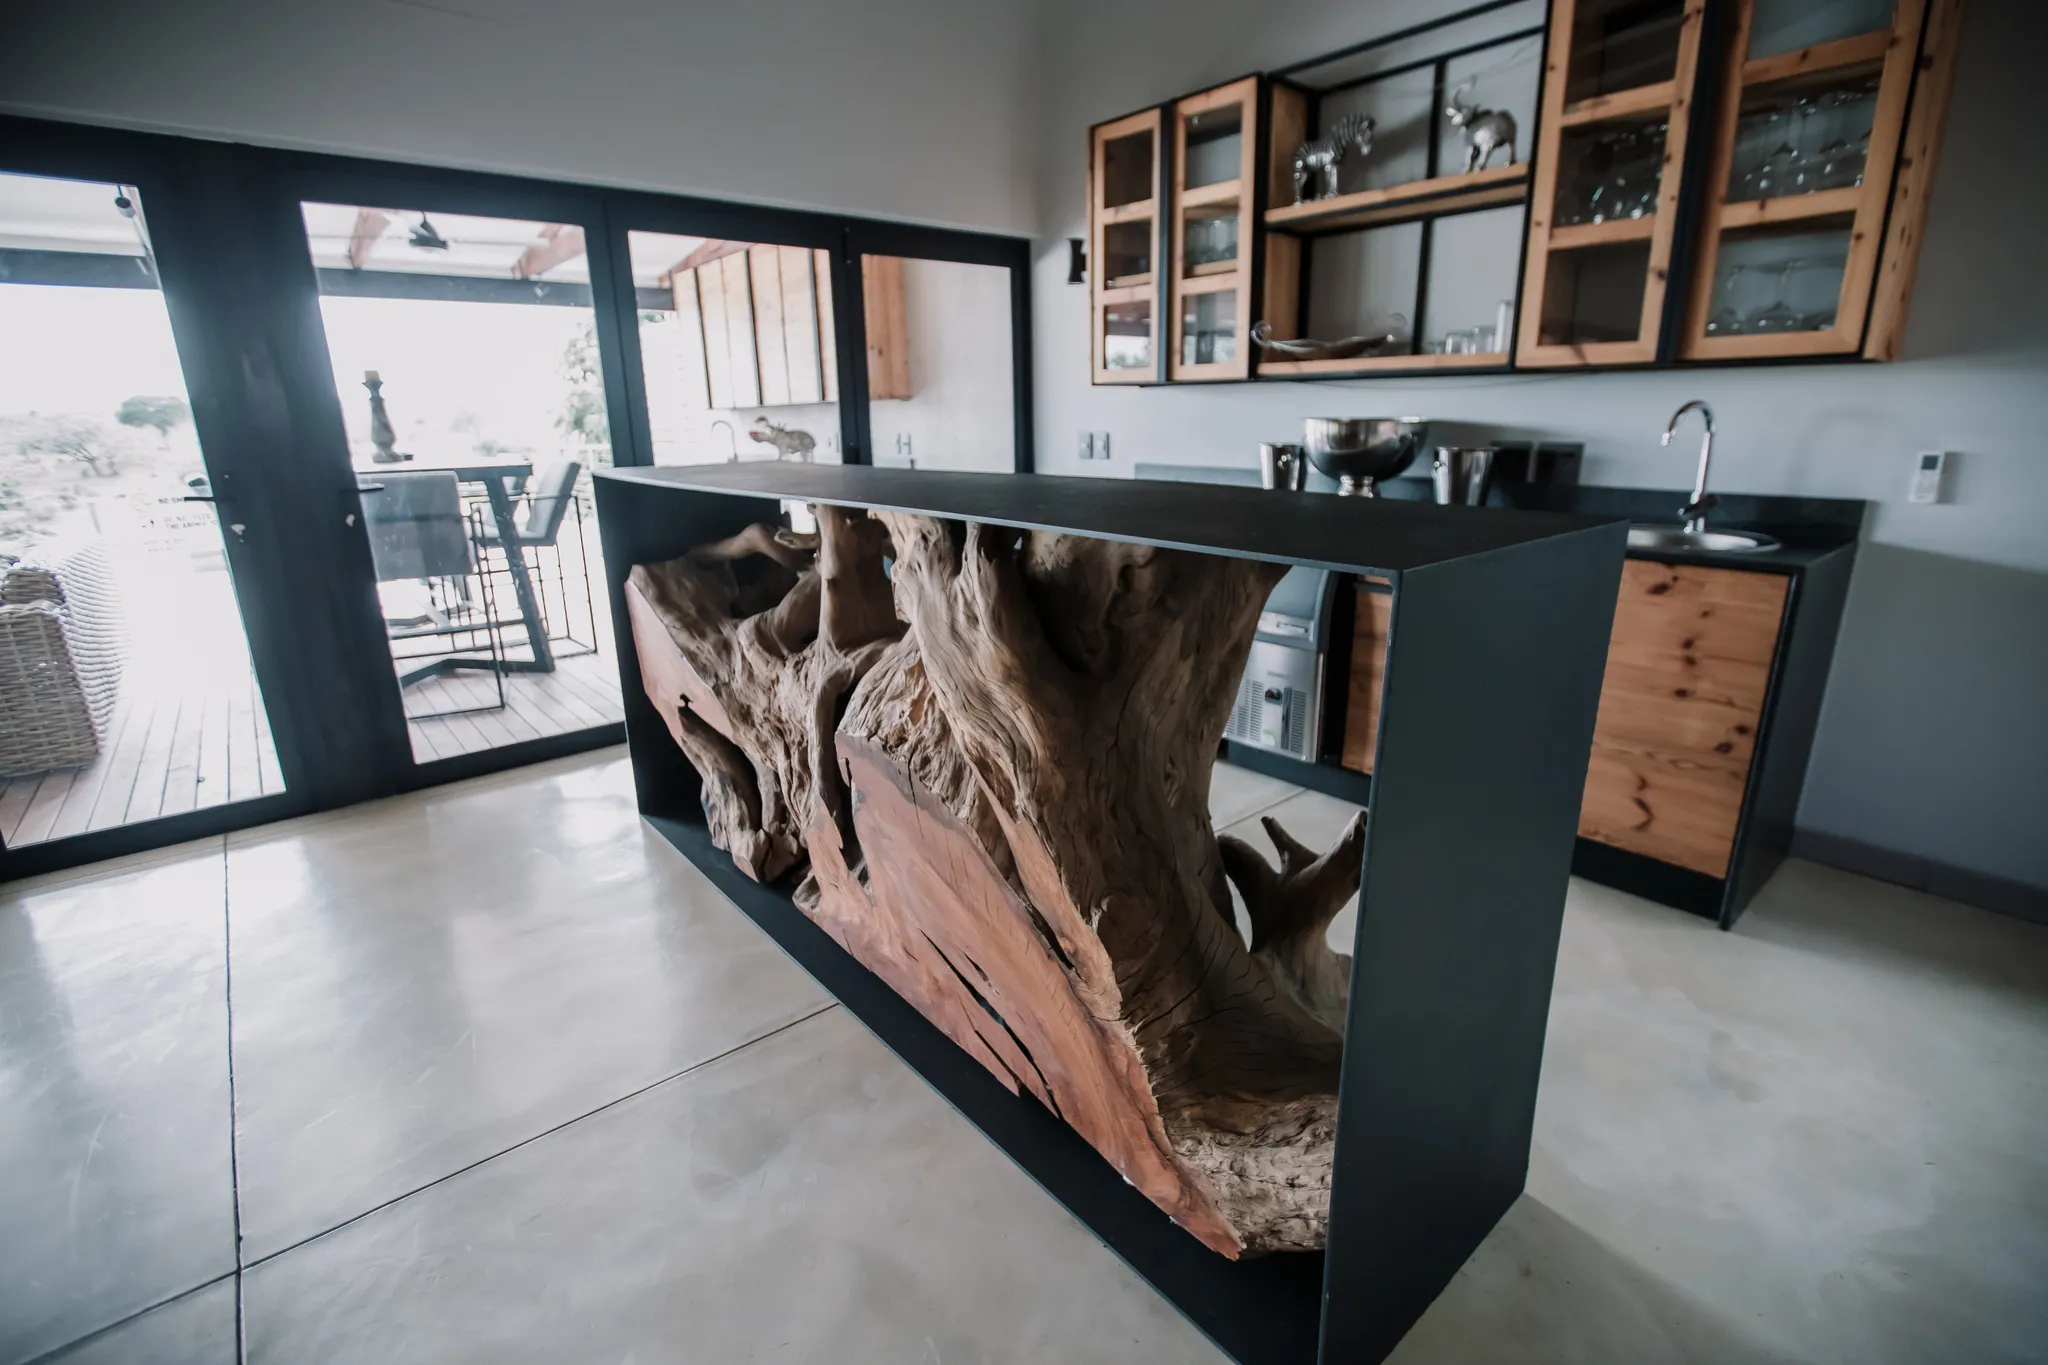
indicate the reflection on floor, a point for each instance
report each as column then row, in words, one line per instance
column 512, row 1082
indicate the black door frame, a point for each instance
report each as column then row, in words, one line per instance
column 237, row 277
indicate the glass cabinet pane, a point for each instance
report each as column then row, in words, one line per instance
column 1126, row 253
column 1777, row 26
column 1620, row 46
column 1127, row 336
column 1609, row 171
column 1209, row 239
column 1208, row 328
column 1779, row 280
column 1215, row 145
column 1127, row 169
column 1794, row 140
column 1595, row 295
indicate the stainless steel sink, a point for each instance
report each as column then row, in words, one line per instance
column 1677, row 538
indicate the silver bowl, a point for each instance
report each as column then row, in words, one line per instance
column 1356, row 451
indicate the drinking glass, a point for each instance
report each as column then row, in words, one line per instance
column 1778, row 316
column 1727, row 319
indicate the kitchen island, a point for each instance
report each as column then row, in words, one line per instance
column 952, row 750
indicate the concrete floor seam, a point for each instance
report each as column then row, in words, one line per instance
column 227, row 954
column 523, row 1142
column 59, row 1351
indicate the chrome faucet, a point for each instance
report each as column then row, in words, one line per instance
column 1693, row 516
column 732, row 440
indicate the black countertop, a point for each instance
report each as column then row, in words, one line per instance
column 1352, row 535
column 1808, row 528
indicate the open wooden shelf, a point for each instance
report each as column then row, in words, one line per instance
column 1579, row 236
column 1791, row 208
column 1404, row 203
column 1376, row 364
column 1865, row 49
column 1621, row 104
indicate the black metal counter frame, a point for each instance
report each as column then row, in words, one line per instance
column 1498, row 641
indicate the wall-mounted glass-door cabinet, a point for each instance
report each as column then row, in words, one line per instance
column 1124, row 198
column 1792, row 225
column 1675, row 181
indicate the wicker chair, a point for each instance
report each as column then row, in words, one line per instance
column 61, row 648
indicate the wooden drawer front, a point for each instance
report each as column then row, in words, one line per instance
column 1369, row 622
column 1687, row 670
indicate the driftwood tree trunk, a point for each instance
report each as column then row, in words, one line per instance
column 1002, row 797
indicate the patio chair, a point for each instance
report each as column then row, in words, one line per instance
column 538, row 525
column 62, row 643
column 420, row 533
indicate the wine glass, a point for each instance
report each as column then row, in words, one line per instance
column 1778, row 315
column 1727, row 319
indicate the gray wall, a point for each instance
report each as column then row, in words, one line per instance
column 912, row 109
column 1934, row 742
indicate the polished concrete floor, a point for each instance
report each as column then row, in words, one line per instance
column 509, row 1082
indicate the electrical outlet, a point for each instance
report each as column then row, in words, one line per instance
column 1087, row 446
column 1930, row 477
column 1101, row 445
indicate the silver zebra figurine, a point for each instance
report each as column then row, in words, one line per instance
column 1486, row 130
column 1327, row 152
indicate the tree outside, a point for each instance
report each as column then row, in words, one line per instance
column 161, row 414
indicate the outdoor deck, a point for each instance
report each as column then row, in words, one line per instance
column 580, row 693
column 166, row 752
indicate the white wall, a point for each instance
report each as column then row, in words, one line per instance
column 1934, row 740
column 911, row 109
column 960, row 413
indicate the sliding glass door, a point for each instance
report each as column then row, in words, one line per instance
column 127, row 692
column 296, row 454
column 465, row 363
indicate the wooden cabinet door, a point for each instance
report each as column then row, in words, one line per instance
column 1687, row 670
column 1371, row 618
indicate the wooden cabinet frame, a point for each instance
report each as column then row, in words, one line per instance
column 1182, row 284
column 1103, row 293
column 1892, row 55
column 1551, row 245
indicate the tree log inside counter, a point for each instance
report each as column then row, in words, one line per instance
column 992, row 767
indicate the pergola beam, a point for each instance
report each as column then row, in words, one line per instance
column 370, row 225
column 559, row 242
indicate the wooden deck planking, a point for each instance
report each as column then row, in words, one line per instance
column 581, row 693
column 211, row 782
column 181, row 774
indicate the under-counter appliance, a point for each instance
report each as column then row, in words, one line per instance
column 1280, row 699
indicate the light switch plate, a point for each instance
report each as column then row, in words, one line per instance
column 1087, row 451
column 1930, row 477
column 1101, row 445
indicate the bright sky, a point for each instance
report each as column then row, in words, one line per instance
column 440, row 362
column 66, row 349
column 75, row 350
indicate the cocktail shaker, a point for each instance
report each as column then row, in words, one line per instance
column 1282, row 465
column 1463, row 474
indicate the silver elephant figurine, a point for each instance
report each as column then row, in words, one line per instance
column 1486, row 131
